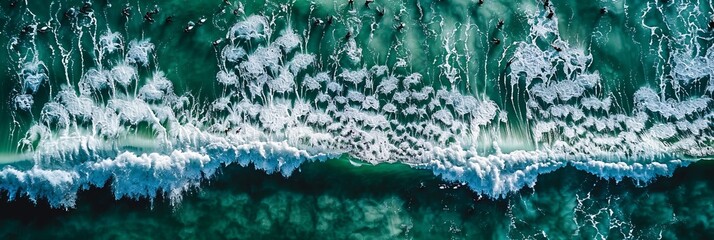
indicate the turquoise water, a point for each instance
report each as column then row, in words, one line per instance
column 412, row 119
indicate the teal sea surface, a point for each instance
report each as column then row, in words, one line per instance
column 496, row 119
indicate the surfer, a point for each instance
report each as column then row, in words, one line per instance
column 126, row 11
column 367, row 2
column 400, row 26
column 189, row 26
column 86, row 8
column 218, row 41
column 148, row 17
column 495, row 41
column 316, row 21
column 26, row 30
column 43, row 29
column 70, row 13
column 500, row 23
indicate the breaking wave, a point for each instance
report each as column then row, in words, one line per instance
column 281, row 104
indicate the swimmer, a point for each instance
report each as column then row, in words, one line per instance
column 148, row 17
column 126, row 11
column 169, row 19
column 400, row 26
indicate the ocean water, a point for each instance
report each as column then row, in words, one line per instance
column 330, row 119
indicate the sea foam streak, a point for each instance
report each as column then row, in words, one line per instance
column 280, row 108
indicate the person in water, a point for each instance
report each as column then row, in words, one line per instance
column 189, row 26
column 367, row 2
column 400, row 26
column 148, row 17
column 217, row 42
column 317, row 21
column 126, row 11
column 86, row 8
column 70, row 13
column 348, row 35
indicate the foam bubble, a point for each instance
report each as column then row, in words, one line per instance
column 33, row 74
column 24, row 102
column 139, row 52
column 253, row 27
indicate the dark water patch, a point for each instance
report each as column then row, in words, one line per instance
column 337, row 200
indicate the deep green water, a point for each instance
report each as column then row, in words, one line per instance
column 571, row 119
column 335, row 200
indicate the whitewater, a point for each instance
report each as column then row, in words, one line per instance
column 495, row 110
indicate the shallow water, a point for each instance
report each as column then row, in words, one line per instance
column 556, row 119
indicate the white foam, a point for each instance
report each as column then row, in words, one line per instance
column 94, row 80
column 33, row 74
column 24, row 102
column 226, row 78
column 233, row 53
column 123, row 74
column 82, row 142
column 301, row 62
column 110, row 42
column 283, row 83
column 139, row 52
column 354, row 77
column 287, row 41
column 253, row 27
